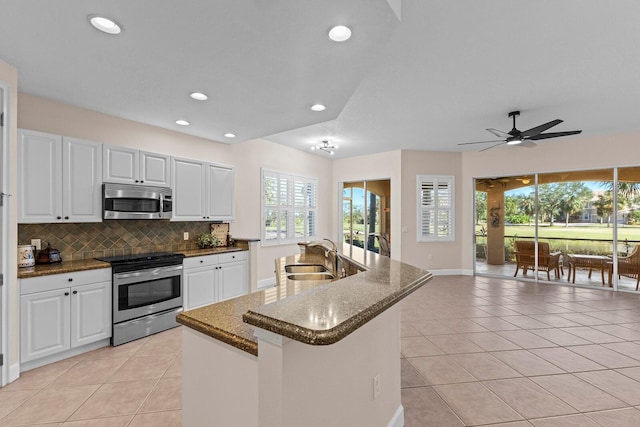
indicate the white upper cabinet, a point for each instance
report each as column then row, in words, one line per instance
column 130, row 166
column 202, row 191
column 220, row 189
column 60, row 178
column 188, row 190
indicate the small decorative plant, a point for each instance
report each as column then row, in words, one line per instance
column 207, row 240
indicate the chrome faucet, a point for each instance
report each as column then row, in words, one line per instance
column 333, row 253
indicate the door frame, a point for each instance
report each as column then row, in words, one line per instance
column 4, row 231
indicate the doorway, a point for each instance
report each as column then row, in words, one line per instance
column 3, row 230
column 366, row 218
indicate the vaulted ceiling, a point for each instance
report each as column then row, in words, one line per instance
column 416, row 74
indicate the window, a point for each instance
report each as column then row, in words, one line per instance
column 436, row 215
column 289, row 208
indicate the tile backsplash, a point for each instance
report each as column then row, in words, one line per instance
column 77, row 241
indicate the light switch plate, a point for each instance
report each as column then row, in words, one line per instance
column 37, row 243
column 186, row 235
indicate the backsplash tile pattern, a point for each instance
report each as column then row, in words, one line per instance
column 77, row 241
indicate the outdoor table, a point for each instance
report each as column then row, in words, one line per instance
column 591, row 262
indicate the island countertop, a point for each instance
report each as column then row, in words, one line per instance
column 312, row 312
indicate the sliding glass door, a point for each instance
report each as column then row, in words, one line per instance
column 577, row 227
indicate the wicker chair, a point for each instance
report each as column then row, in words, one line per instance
column 526, row 258
column 629, row 266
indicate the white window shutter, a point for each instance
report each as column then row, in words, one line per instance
column 435, row 213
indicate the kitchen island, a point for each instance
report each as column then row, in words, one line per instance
column 304, row 353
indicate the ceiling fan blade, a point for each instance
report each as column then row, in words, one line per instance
column 499, row 133
column 539, row 129
column 480, row 142
column 554, row 135
column 495, row 145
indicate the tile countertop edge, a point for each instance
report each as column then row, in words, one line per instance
column 233, row 340
column 338, row 332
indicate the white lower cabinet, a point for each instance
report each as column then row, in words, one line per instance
column 213, row 278
column 63, row 311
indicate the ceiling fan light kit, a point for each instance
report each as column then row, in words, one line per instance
column 325, row 146
column 517, row 137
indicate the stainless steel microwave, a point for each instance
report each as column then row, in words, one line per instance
column 131, row 201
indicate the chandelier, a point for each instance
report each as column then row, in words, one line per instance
column 325, row 146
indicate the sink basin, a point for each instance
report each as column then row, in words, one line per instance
column 310, row 276
column 309, row 268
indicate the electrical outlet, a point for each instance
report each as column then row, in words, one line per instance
column 37, row 243
column 186, row 235
column 430, row 256
column 405, row 229
column 376, row 386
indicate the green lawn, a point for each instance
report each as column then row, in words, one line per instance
column 576, row 238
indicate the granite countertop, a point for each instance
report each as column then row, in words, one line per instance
column 91, row 264
column 60, row 268
column 313, row 312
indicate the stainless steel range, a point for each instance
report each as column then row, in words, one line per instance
column 147, row 294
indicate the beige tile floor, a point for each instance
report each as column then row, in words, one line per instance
column 485, row 351
column 475, row 351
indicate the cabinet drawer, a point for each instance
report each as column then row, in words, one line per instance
column 233, row 256
column 64, row 280
column 200, row 261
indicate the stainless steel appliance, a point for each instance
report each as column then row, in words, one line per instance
column 129, row 201
column 147, row 294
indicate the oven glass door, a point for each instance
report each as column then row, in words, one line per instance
column 141, row 294
column 132, row 205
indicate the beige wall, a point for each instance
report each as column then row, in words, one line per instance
column 248, row 158
column 9, row 80
column 437, row 255
column 572, row 154
column 372, row 167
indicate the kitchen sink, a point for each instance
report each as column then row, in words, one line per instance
column 311, row 276
column 308, row 268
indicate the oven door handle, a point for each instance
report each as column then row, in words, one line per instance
column 160, row 271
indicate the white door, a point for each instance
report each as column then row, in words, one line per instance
column 155, row 169
column 188, row 190
column 199, row 287
column 233, row 280
column 221, row 192
column 2, row 220
column 44, row 324
column 120, row 164
column 90, row 313
column 82, row 180
column 39, row 177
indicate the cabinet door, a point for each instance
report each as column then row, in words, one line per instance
column 188, row 190
column 155, row 169
column 90, row 313
column 233, row 280
column 120, row 164
column 82, row 180
column 44, row 324
column 39, row 177
column 221, row 193
column 199, row 287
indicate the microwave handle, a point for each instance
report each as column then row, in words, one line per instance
column 161, row 204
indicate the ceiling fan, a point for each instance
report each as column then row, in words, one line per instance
column 523, row 138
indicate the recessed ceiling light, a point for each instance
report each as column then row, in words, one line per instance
column 318, row 107
column 230, row 135
column 182, row 122
column 199, row 96
column 105, row 25
column 340, row 33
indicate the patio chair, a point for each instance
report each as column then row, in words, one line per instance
column 526, row 258
column 629, row 266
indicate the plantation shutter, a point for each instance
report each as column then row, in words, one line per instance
column 435, row 208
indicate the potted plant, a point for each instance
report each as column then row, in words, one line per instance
column 207, row 240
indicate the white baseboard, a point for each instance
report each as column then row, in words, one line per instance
column 14, row 372
column 451, row 272
column 266, row 283
column 398, row 418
